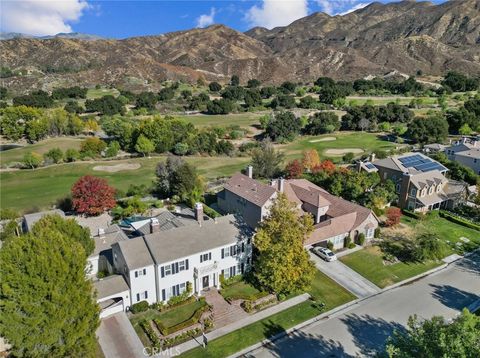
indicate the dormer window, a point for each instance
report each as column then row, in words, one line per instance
column 439, row 187
column 430, row 191
column 424, row 191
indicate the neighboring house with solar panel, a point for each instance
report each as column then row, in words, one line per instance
column 420, row 182
column 465, row 152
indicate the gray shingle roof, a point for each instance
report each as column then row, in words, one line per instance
column 110, row 285
column 249, row 189
column 104, row 243
column 135, row 252
column 31, row 219
column 170, row 245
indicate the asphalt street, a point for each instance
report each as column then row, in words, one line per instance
column 363, row 328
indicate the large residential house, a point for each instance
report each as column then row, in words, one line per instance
column 420, row 182
column 163, row 263
column 465, row 152
column 335, row 218
column 247, row 197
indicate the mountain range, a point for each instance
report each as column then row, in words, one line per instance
column 406, row 36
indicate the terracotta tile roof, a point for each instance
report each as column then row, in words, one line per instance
column 249, row 189
column 344, row 216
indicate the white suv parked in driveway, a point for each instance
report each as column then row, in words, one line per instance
column 324, row 253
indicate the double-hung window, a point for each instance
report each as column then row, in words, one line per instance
column 140, row 272
column 181, row 265
column 167, row 270
column 206, row 257
column 142, row 296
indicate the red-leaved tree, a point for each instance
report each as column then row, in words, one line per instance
column 92, row 195
column 294, row 169
column 393, row 216
column 326, row 165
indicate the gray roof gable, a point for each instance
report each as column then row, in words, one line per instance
column 135, row 252
column 167, row 246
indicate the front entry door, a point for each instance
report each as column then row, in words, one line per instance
column 205, row 282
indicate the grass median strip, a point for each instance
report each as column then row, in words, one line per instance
column 323, row 290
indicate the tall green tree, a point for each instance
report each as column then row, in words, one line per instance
column 283, row 264
column 144, row 145
column 266, row 160
column 67, row 227
column 46, row 302
column 438, row 338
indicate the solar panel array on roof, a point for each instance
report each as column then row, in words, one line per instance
column 421, row 163
column 370, row 166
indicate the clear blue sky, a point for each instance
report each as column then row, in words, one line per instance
column 120, row 19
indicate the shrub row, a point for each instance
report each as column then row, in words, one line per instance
column 187, row 323
column 168, row 342
column 411, row 214
column 152, row 336
column 249, row 307
column 210, row 212
column 459, row 220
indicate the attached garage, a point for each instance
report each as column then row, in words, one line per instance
column 113, row 295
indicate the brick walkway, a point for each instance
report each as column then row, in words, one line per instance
column 223, row 312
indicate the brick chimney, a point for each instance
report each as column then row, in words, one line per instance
column 154, row 225
column 404, row 188
column 250, row 171
column 199, row 213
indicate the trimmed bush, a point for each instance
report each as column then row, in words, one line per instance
column 347, row 241
column 168, row 342
column 376, row 235
column 152, row 336
column 141, row 306
column 459, row 220
column 361, row 239
column 330, row 245
column 411, row 214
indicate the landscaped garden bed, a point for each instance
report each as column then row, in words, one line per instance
column 163, row 326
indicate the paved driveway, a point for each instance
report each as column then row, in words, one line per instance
column 118, row 338
column 346, row 277
column 364, row 327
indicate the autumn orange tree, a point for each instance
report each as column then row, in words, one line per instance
column 92, row 195
column 393, row 216
column 311, row 159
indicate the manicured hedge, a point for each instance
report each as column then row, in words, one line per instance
column 245, row 297
column 411, row 214
column 459, row 220
column 152, row 336
column 187, row 323
column 141, row 306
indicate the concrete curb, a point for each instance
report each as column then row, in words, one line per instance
column 345, row 307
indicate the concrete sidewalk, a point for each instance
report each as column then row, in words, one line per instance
column 118, row 339
column 194, row 343
column 346, row 277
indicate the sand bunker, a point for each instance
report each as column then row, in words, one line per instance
column 343, row 151
column 117, row 167
column 326, row 139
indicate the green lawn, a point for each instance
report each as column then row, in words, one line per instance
column 16, row 155
column 323, row 289
column 368, row 263
column 446, row 230
column 367, row 142
column 240, row 289
column 206, row 120
column 27, row 190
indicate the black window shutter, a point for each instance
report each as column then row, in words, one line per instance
column 231, row 250
column 173, row 269
column 163, row 295
column 209, row 255
column 243, row 247
column 136, row 273
column 223, row 272
column 146, row 294
column 201, row 258
column 243, row 267
column 138, row 297
column 163, row 271
column 144, row 271
column 186, row 264
column 176, row 267
column 223, row 254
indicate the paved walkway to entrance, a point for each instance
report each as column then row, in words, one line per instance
column 345, row 276
column 118, row 339
column 223, row 312
column 240, row 323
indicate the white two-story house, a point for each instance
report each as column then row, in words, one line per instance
column 159, row 265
